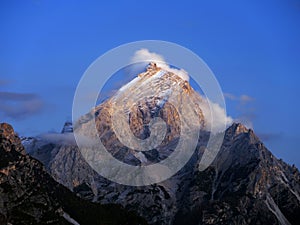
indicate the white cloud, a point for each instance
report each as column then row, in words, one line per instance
column 214, row 115
column 230, row 96
column 246, row 98
column 242, row 98
column 58, row 138
column 147, row 56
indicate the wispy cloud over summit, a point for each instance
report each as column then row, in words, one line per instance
column 147, row 56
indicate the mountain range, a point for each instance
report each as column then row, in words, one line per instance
column 245, row 184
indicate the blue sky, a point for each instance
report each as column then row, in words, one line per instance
column 252, row 47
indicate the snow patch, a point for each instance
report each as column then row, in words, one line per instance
column 70, row 219
column 128, row 85
column 273, row 207
column 158, row 74
column 140, row 156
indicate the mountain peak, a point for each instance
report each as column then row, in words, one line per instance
column 68, row 128
column 7, row 132
column 152, row 66
column 238, row 128
column 151, row 70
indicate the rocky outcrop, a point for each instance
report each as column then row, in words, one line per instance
column 12, row 139
column 68, row 128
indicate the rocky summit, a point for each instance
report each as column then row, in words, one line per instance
column 245, row 184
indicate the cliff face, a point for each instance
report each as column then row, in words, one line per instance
column 29, row 195
column 246, row 184
column 23, row 195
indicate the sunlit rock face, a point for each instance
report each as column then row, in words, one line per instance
column 7, row 132
column 245, row 184
column 154, row 93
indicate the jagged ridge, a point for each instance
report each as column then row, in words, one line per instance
column 29, row 195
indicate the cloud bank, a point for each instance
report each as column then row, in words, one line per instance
column 59, row 138
column 19, row 105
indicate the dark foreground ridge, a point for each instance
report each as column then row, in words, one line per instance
column 29, row 195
